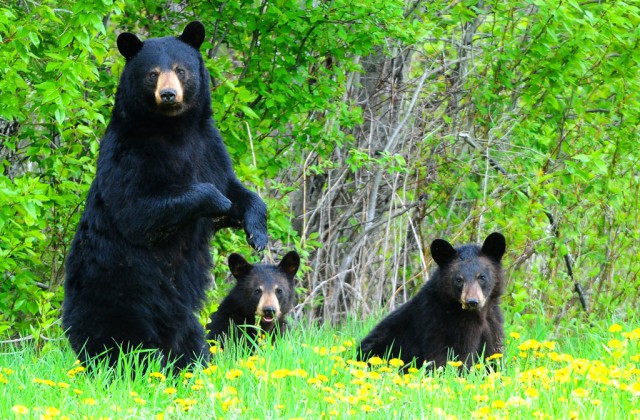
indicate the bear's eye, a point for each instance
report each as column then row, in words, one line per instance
column 257, row 292
column 459, row 281
column 482, row 278
column 153, row 75
column 180, row 72
column 279, row 292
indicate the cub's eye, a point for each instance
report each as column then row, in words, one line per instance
column 459, row 281
column 279, row 292
column 180, row 71
column 257, row 292
column 482, row 278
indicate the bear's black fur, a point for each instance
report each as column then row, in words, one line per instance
column 262, row 297
column 456, row 314
column 139, row 262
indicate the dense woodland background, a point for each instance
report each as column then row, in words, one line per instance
column 370, row 127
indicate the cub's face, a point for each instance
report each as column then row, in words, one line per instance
column 164, row 75
column 268, row 290
column 470, row 274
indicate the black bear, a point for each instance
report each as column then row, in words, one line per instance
column 139, row 263
column 455, row 316
column 259, row 302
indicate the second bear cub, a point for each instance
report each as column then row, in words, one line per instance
column 456, row 315
column 259, row 302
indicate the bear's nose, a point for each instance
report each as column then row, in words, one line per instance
column 472, row 303
column 269, row 311
column 168, row 96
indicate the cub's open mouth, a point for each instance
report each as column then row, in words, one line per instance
column 267, row 319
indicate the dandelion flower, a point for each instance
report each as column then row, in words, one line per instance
column 580, row 392
column 89, row 401
column 170, row 391
column 498, row 404
column 615, row 328
column 531, row 393
column 20, row 409
column 396, row 363
column 375, row 361
column 157, row 375
column 233, row 374
column 455, row 363
column 515, row 335
column 52, row 412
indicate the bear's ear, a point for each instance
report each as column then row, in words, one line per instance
column 193, row 34
column 494, row 246
column 129, row 45
column 239, row 266
column 290, row 263
column 442, row 252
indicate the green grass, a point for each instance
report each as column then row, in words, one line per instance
column 550, row 372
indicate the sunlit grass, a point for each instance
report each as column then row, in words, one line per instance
column 591, row 373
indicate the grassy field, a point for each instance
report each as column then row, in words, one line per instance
column 586, row 372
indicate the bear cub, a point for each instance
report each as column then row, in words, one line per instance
column 139, row 264
column 455, row 316
column 259, row 302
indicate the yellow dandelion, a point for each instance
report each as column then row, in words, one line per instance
column 210, row 370
column 633, row 335
column 300, row 373
column 20, row 409
column 357, row 364
column 157, row 375
column 52, row 412
column 78, row 391
column 280, row 373
column 89, row 401
column 396, row 363
column 367, row 408
column 580, row 392
column 454, row 363
column 160, row 416
column 413, row 370
column 495, row 356
column 596, row 402
column 481, row 412
column 140, row 401
column 615, row 344
column 498, row 404
column 215, row 349
column 531, row 393
column 170, row 391
column 375, row 361
column 615, row 328
column 330, row 400
column 634, row 388
column 481, row 398
column 530, row 345
column 333, row 413
column 515, row 335
column 233, row 374
column 63, row 385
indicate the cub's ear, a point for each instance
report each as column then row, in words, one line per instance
column 494, row 246
column 290, row 263
column 442, row 252
column 129, row 45
column 193, row 34
column 239, row 266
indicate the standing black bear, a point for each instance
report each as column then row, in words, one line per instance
column 264, row 293
column 139, row 262
column 456, row 314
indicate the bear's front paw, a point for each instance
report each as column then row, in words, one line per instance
column 257, row 239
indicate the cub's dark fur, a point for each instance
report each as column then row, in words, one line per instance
column 456, row 314
column 259, row 302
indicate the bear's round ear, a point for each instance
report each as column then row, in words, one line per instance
column 193, row 34
column 442, row 252
column 129, row 45
column 290, row 263
column 239, row 266
column 494, row 246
